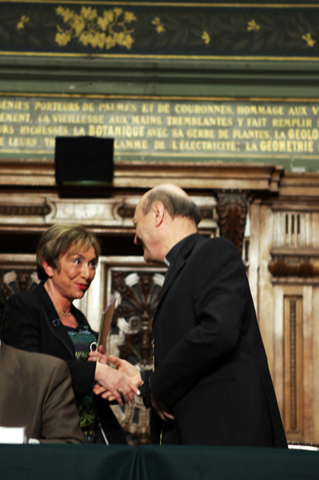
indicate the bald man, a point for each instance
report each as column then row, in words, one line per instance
column 211, row 383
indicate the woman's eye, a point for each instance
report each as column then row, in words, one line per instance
column 77, row 261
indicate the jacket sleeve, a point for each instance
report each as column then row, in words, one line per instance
column 60, row 418
column 145, row 388
column 82, row 375
column 218, row 291
column 23, row 328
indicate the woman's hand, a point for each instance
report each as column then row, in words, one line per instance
column 116, row 385
column 98, row 356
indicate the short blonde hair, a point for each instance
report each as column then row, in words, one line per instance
column 59, row 239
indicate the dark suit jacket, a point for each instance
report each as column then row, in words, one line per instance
column 210, row 364
column 36, row 392
column 33, row 325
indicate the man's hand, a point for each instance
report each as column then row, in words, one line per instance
column 128, row 369
column 162, row 410
column 116, row 385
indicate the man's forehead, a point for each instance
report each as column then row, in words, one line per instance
column 139, row 207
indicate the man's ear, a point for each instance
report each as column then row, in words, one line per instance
column 159, row 212
column 47, row 268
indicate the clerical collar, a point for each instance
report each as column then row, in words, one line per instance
column 166, row 262
column 170, row 257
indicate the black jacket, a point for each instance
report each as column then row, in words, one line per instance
column 211, row 368
column 32, row 325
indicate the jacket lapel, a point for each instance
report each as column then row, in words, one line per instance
column 52, row 319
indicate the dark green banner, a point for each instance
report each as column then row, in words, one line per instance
column 284, row 132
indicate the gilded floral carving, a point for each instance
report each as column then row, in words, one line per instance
column 159, row 26
column 89, row 28
column 23, row 20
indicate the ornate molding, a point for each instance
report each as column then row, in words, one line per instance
column 145, row 175
column 294, row 262
column 126, row 211
column 31, row 173
column 300, row 187
column 24, row 210
column 97, row 213
column 85, row 211
column 232, row 211
column 201, row 175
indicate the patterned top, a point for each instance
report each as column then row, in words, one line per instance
column 82, row 338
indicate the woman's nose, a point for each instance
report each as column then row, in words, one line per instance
column 86, row 270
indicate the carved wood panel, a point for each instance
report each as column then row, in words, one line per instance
column 293, row 367
column 232, row 211
column 294, row 265
column 17, row 273
column 137, row 289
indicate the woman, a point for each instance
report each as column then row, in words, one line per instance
column 45, row 320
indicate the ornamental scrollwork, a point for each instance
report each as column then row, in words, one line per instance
column 104, row 31
column 158, row 25
column 206, row 38
column 232, row 211
column 252, row 25
column 137, row 294
column 309, row 40
column 18, row 280
column 23, row 20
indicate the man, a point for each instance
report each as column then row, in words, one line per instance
column 36, row 393
column 211, row 384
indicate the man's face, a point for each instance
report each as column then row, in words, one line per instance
column 145, row 234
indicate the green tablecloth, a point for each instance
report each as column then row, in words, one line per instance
column 95, row 462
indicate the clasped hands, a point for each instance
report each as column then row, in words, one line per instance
column 120, row 384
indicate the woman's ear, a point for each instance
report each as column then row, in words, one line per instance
column 47, row 268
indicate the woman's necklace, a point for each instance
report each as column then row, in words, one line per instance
column 61, row 312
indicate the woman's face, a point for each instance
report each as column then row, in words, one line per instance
column 76, row 272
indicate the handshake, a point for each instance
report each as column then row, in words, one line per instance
column 120, row 384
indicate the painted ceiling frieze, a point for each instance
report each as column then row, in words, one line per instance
column 160, row 29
